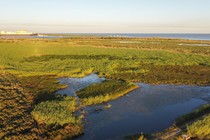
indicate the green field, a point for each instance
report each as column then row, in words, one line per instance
column 71, row 57
column 29, row 69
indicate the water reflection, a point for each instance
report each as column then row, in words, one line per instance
column 75, row 84
column 148, row 109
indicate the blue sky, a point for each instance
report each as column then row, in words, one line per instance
column 106, row 16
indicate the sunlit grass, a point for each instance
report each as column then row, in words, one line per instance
column 68, row 57
column 200, row 128
column 57, row 112
column 105, row 91
column 31, row 67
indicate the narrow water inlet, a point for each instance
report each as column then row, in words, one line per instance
column 76, row 84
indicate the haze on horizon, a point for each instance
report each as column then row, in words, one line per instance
column 106, row 16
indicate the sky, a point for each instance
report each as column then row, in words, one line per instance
column 106, row 16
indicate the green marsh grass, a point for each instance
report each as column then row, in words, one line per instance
column 105, row 91
column 57, row 112
column 29, row 68
column 200, row 129
column 68, row 57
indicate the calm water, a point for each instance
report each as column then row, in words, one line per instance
column 178, row 36
column 75, row 84
column 148, row 109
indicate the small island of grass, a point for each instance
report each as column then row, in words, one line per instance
column 105, row 91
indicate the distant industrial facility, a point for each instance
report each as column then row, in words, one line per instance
column 21, row 32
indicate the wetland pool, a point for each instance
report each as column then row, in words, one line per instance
column 148, row 109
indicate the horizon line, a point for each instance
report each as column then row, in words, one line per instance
column 116, row 33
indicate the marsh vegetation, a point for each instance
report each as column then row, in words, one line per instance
column 30, row 68
column 105, row 91
column 81, row 56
